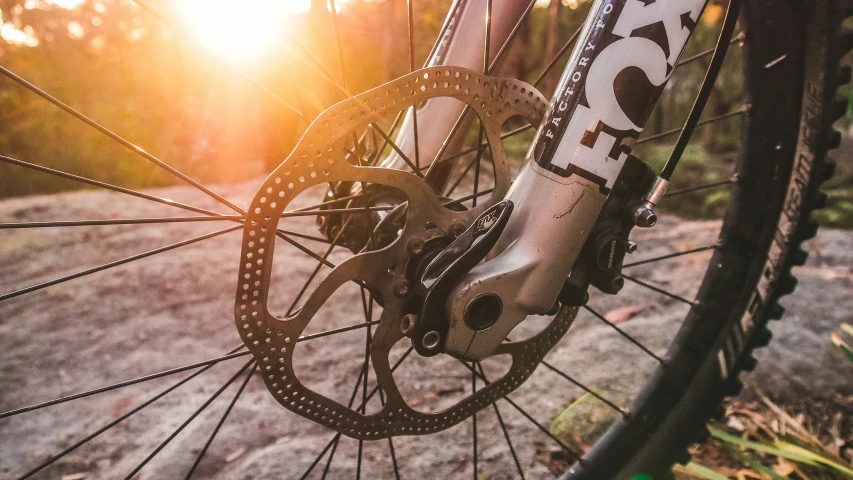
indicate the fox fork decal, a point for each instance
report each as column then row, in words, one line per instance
column 617, row 72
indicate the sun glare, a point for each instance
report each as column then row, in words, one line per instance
column 243, row 31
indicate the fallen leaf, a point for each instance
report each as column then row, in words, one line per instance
column 235, row 454
column 75, row 476
column 783, row 468
column 735, row 424
column 623, row 314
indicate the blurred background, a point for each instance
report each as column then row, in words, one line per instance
column 140, row 77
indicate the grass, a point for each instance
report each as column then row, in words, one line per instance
column 765, row 441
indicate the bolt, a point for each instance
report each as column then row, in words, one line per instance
column 416, row 246
column 482, row 312
column 335, row 231
column 457, row 229
column 401, row 288
column 407, row 323
column 644, row 217
column 431, row 340
column 617, row 284
column 631, row 247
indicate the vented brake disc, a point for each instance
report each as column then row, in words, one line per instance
column 319, row 158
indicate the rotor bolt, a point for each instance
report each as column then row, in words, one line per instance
column 407, row 323
column 416, row 246
column 431, row 340
column 616, row 285
column 631, row 247
column 401, row 288
column 335, row 231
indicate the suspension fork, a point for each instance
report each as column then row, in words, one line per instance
column 582, row 144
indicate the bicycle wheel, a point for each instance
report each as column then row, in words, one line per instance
column 789, row 107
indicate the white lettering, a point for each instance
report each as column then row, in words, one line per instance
column 637, row 15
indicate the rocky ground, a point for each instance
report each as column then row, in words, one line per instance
column 175, row 308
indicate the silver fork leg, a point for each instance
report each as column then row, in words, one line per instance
column 461, row 44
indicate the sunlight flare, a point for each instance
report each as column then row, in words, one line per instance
column 243, row 32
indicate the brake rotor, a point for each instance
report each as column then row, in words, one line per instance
column 319, row 158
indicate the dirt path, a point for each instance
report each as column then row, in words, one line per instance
column 176, row 308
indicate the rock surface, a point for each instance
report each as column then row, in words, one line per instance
column 176, row 308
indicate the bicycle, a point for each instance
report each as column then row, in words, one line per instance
column 490, row 282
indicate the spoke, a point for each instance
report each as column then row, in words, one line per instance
column 393, row 368
column 702, row 187
column 394, row 125
column 456, row 126
column 557, row 57
column 504, row 136
column 306, row 237
column 115, row 422
column 488, row 69
column 672, row 255
column 338, row 330
column 586, row 389
column 486, row 51
column 505, row 431
column 320, row 457
column 336, row 201
column 455, row 185
column 313, row 275
column 474, row 418
column 410, row 15
column 116, row 263
column 736, row 113
column 660, row 290
column 190, row 419
column 705, row 90
column 127, row 221
column 119, row 139
column 390, row 442
column 737, row 38
column 234, row 353
column 144, row 5
column 337, row 438
column 332, row 211
column 624, row 334
column 469, row 197
column 333, row 444
column 108, row 186
column 352, row 399
column 368, row 317
column 528, row 417
column 304, row 249
column 221, row 422
column 477, row 166
column 415, row 169
column 502, row 51
column 333, row 10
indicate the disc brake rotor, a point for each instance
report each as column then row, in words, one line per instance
column 319, row 158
